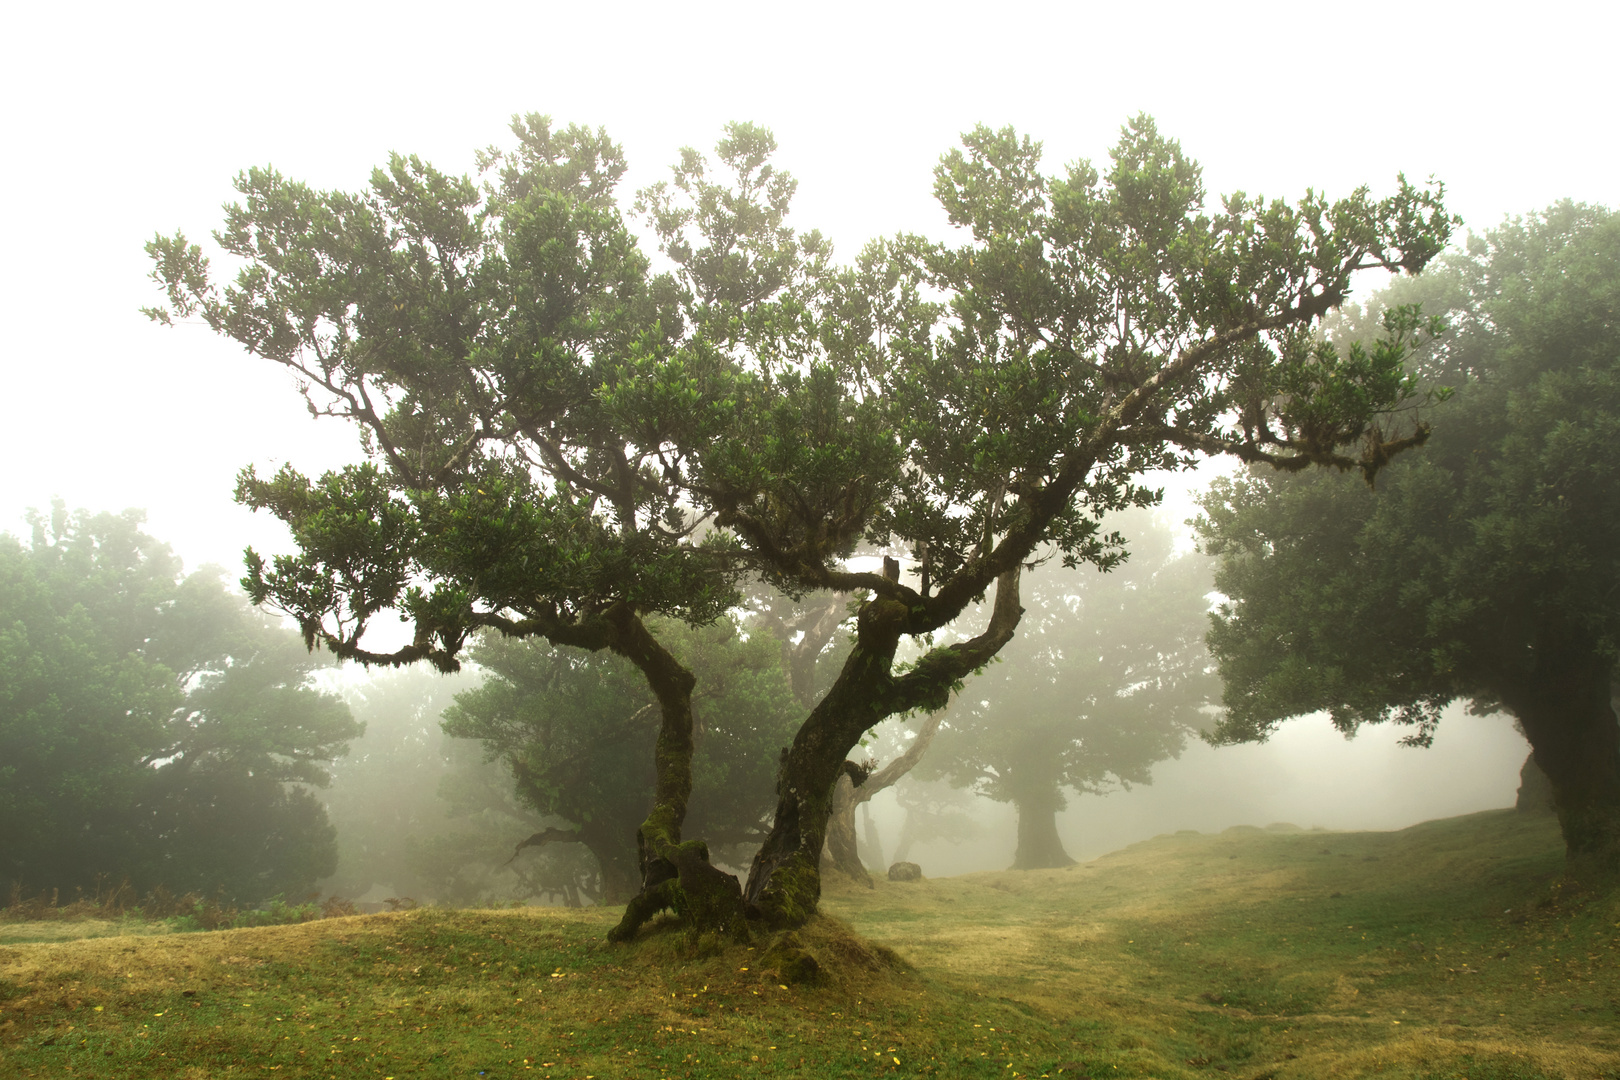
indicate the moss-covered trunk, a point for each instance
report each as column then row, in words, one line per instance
column 1565, row 707
column 784, row 883
column 674, row 875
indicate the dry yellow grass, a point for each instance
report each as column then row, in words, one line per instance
column 1444, row 952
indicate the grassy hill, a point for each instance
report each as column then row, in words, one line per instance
column 1441, row 951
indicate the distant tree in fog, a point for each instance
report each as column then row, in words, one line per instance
column 1107, row 676
column 421, row 815
column 153, row 727
column 1483, row 568
column 578, row 731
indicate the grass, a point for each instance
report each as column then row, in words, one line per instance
column 1441, row 952
column 113, row 910
column 1445, row 950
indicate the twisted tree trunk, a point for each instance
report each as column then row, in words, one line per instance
column 1565, row 705
column 784, row 883
column 674, row 875
column 614, row 859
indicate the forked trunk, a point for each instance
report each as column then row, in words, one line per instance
column 842, row 853
column 1567, row 711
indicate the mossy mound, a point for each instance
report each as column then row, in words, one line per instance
column 824, row 952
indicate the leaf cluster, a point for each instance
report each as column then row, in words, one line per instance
column 1493, row 547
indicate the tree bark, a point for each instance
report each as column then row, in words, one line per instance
column 1564, row 705
column 842, row 852
column 615, row 860
column 674, row 875
column 784, row 883
column 1535, row 794
column 818, row 624
column 1039, row 847
column 874, row 843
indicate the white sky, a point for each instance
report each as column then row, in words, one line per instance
column 119, row 121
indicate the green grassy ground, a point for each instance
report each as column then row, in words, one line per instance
column 1444, row 951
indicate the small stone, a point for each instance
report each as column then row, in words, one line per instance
column 905, row 871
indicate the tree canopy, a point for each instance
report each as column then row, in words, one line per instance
column 1107, row 676
column 153, row 727
column 564, row 442
column 1483, row 568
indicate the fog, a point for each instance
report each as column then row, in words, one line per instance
column 133, row 122
column 1308, row 775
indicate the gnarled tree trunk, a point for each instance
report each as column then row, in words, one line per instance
column 842, row 853
column 614, row 859
column 673, row 874
column 784, row 883
column 1565, row 705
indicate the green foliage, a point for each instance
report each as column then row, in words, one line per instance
column 1494, row 545
column 577, row 732
column 153, row 727
column 1483, row 569
column 1108, row 676
column 548, row 414
column 564, row 443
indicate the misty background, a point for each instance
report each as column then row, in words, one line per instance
column 123, row 122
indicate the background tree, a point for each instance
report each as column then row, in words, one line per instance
column 151, row 727
column 388, row 803
column 577, row 731
column 551, row 423
column 855, row 789
column 934, row 811
column 1483, row 569
column 1108, row 676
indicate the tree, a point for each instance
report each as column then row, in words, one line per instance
column 384, row 796
column 577, row 732
column 153, row 727
column 842, row 850
column 1108, row 676
column 564, row 443
column 1483, row 569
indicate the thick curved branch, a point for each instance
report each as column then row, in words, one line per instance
column 547, row 836
column 929, row 683
column 891, row 773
